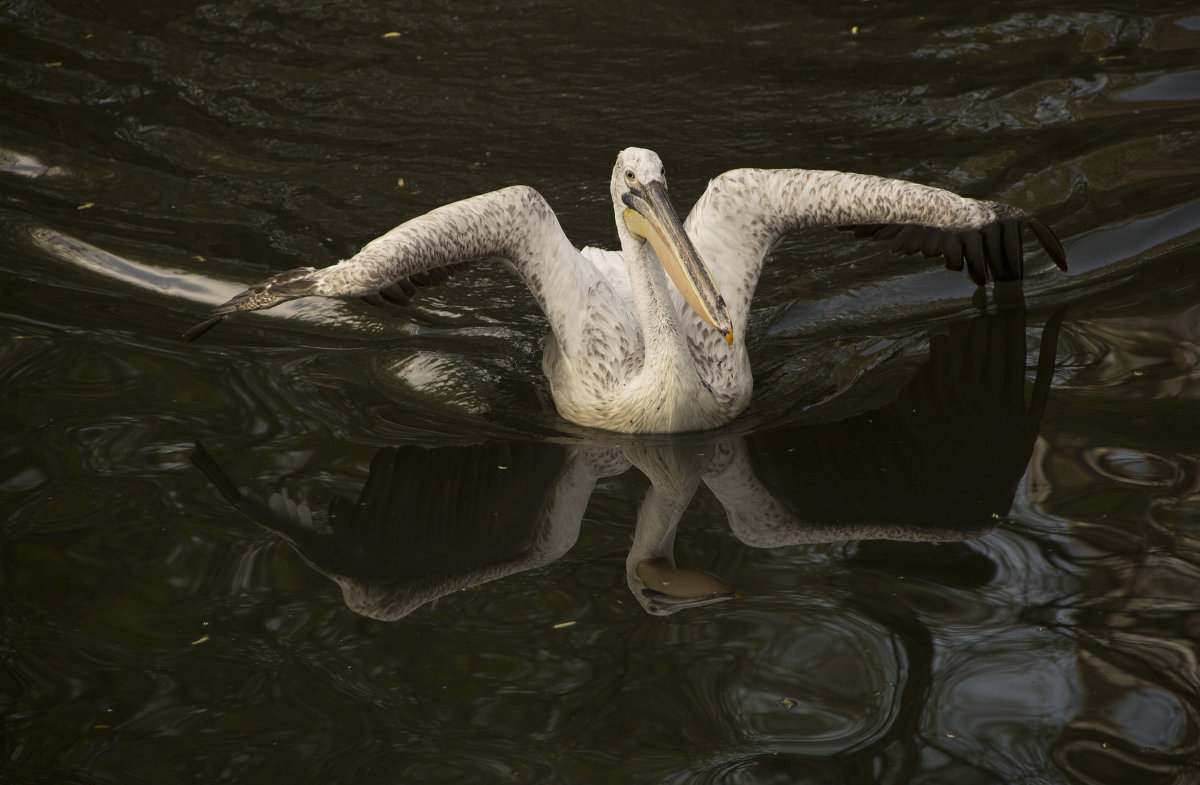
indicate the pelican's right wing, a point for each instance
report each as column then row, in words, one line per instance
column 745, row 212
column 515, row 224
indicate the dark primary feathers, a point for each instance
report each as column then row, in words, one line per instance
column 993, row 249
column 400, row 292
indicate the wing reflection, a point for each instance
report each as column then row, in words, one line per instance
column 940, row 462
column 431, row 521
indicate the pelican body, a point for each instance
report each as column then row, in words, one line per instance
column 650, row 339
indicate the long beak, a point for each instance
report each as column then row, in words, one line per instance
column 674, row 588
column 651, row 217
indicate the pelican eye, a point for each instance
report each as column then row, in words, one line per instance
column 629, row 175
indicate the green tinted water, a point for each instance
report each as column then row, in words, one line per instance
column 154, row 157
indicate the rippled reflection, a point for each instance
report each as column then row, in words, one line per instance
column 940, row 462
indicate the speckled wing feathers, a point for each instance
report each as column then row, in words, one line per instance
column 745, row 212
column 512, row 223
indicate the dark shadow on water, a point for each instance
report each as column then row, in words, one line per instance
column 938, row 463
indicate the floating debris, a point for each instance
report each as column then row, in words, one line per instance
column 564, row 624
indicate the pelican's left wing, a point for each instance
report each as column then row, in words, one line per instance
column 745, row 212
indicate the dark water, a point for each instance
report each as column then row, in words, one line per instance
column 965, row 542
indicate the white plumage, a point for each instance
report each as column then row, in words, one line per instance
column 649, row 339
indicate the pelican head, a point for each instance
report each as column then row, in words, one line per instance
column 639, row 183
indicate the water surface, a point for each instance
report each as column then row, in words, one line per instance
column 987, row 564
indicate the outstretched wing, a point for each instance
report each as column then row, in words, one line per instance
column 514, row 224
column 745, row 212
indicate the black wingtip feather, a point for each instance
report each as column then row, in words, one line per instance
column 952, row 249
column 202, row 328
column 910, row 239
column 973, row 252
column 1014, row 253
column 1049, row 241
column 993, row 251
column 931, row 244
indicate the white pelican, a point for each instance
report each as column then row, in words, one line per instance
column 648, row 339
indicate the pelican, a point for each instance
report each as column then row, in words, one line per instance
column 649, row 339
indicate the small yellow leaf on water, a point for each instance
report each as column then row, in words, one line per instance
column 399, row 182
column 563, row 624
column 854, row 30
column 392, row 34
column 201, row 639
column 786, row 703
column 86, row 205
column 55, row 64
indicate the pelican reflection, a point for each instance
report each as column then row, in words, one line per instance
column 940, row 462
